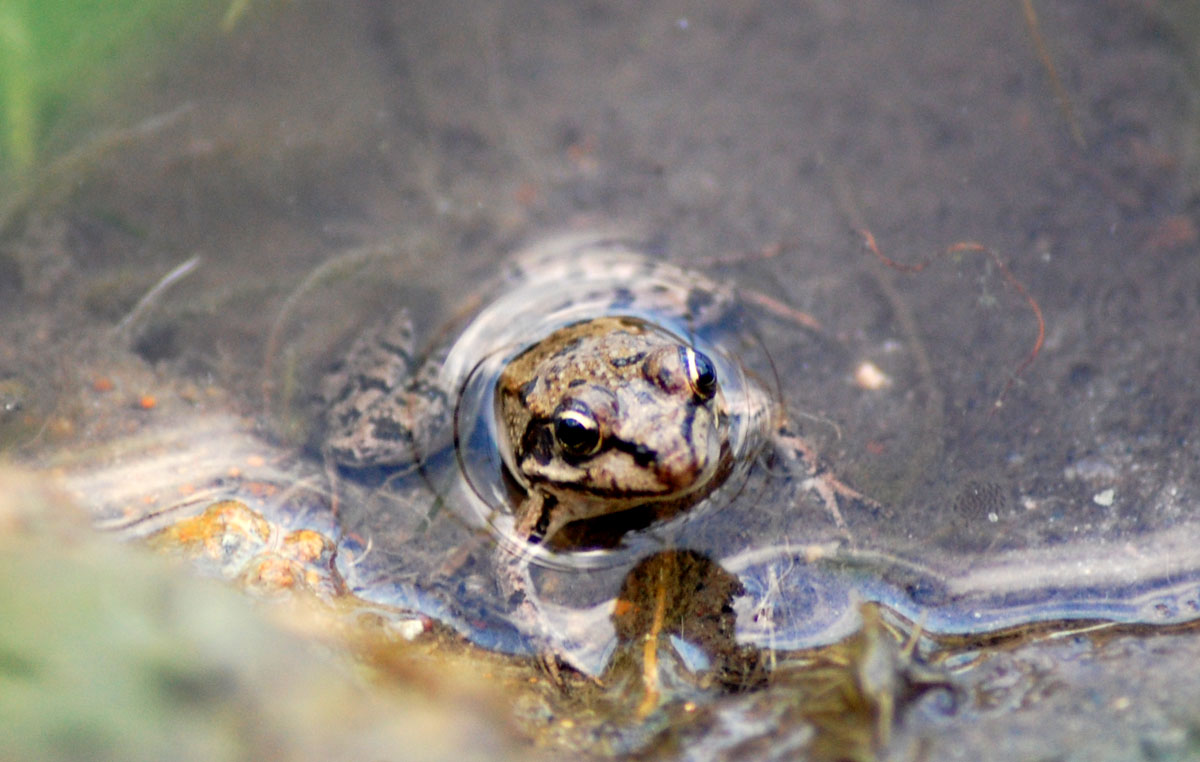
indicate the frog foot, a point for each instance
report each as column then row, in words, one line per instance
column 821, row 480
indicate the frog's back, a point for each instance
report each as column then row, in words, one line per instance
column 575, row 277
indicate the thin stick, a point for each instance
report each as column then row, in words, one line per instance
column 1060, row 91
column 782, row 311
column 151, row 296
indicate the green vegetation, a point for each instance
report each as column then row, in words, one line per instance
column 54, row 53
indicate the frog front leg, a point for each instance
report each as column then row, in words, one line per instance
column 514, row 578
column 383, row 407
column 818, row 477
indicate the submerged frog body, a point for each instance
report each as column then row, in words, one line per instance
column 613, row 391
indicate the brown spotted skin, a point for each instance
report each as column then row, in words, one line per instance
column 658, row 439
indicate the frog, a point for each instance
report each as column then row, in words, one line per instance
column 567, row 306
column 609, row 414
column 615, row 393
column 601, row 338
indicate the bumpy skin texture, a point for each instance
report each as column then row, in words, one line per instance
column 650, row 431
column 383, row 408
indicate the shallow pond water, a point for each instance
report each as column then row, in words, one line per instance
column 397, row 156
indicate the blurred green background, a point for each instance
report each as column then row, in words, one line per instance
column 59, row 54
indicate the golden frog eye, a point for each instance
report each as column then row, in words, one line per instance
column 700, row 373
column 576, row 429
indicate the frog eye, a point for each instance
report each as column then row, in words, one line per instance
column 700, row 372
column 576, row 429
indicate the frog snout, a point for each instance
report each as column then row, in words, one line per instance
column 692, row 459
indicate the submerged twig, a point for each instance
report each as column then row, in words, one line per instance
column 1060, row 91
column 151, row 296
